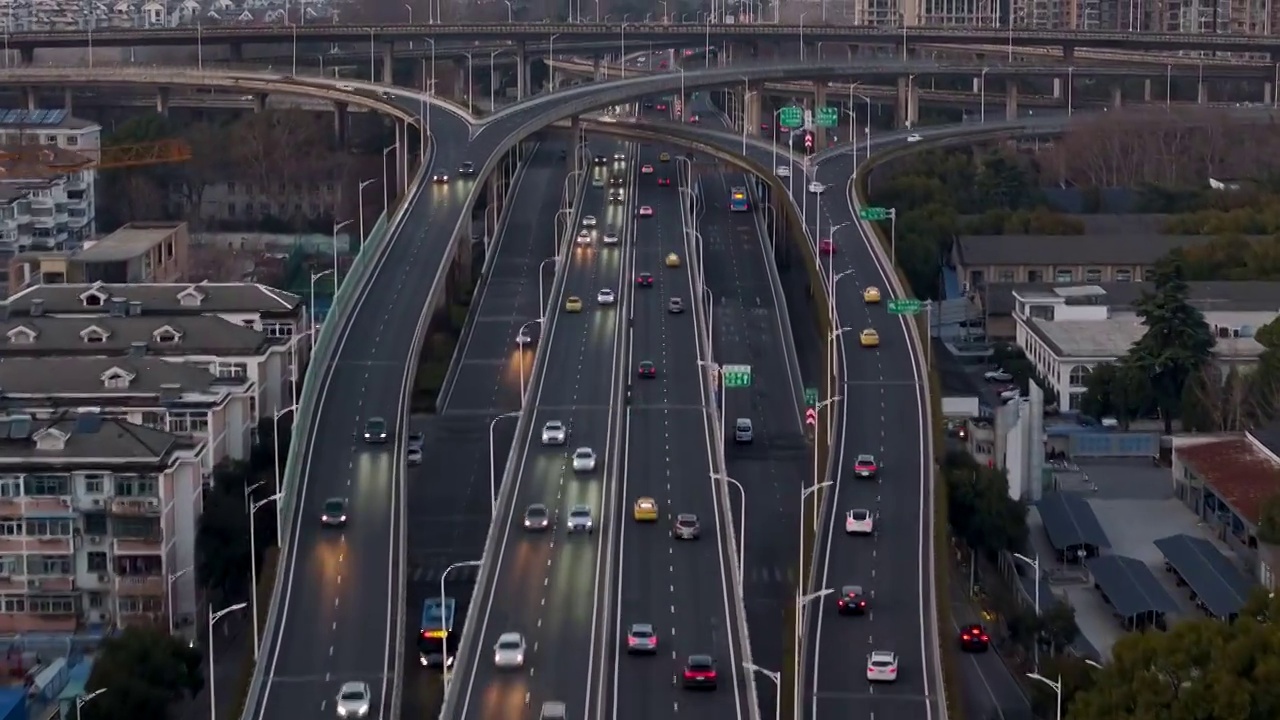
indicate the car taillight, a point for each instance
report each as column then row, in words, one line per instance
column 985, row 638
column 862, row 603
column 631, row 641
column 964, row 636
column 893, row 670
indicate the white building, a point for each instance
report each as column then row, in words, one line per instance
column 1068, row 331
column 97, row 517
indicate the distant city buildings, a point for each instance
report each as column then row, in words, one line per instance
column 45, row 15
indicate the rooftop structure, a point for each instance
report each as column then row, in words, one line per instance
column 225, row 299
column 136, row 253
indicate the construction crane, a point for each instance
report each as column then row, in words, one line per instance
column 113, row 157
column 159, row 152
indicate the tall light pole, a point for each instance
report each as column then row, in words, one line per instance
column 802, row 601
column 493, row 465
column 275, row 459
column 1056, row 686
column 622, row 66
column 982, row 97
column 444, row 665
column 551, row 63
column 337, row 227
column 521, row 360
column 1035, row 567
column 493, row 56
column 409, row 7
column 360, row 206
column 253, row 563
column 213, row 619
column 776, row 677
column 742, row 522
column 816, row 486
column 543, row 300
column 314, row 278
column 173, row 578
column 82, row 700
column 510, row 11
column 385, row 151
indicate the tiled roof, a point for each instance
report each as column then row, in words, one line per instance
column 1240, row 473
column 159, row 297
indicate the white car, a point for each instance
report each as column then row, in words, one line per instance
column 508, row 652
column 354, row 699
column 611, row 238
column 783, row 171
column 1012, row 393
column 606, row 297
column 584, row 237
column 584, row 459
column 816, row 187
column 882, row 666
column 554, row 433
column 619, row 156
column 646, row 211
column 597, row 181
column 914, row 137
column 997, row 375
column 346, row 88
column 413, row 456
column 580, row 519
column 588, row 221
column 859, row 522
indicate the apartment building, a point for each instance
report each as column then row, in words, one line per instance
column 48, row 198
column 231, row 330
column 97, row 524
column 238, row 203
column 54, row 127
column 139, row 252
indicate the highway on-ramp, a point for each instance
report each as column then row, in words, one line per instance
column 682, row 588
column 549, row 584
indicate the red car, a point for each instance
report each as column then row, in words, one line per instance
column 765, row 127
column 974, row 638
column 865, row 466
column 664, row 182
column 662, row 106
column 695, row 119
column 647, row 370
column 662, row 66
column 644, row 280
column 826, row 247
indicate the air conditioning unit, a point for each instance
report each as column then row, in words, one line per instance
column 34, row 585
column 153, row 503
column 104, row 578
column 95, row 539
column 96, row 502
column 98, row 616
column 66, row 502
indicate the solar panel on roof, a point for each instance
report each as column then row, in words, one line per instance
column 19, row 428
column 35, row 117
column 57, row 116
column 88, row 423
column 10, row 117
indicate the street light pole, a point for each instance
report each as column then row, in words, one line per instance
column 314, row 278
column 444, row 665
column 336, row 228
column 82, row 700
column 801, row 602
column 1056, row 686
column 253, row 564
column 493, row 465
column 776, row 677
column 213, row 619
column 742, row 522
column 551, row 65
column 360, row 209
column 173, row 578
column 543, row 300
column 1035, row 567
column 386, row 197
column 521, row 360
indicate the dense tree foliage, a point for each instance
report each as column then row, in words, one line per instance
column 142, row 672
column 980, row 510
column 1200, row 669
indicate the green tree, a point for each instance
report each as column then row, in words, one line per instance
column 1075, row 674
column 1177, row 344
column 1200, row 669
column 222, row 537
column 142, row 672
column 1118, row 390
column 1058, row 628
column 1269, row 522
column 980, row 511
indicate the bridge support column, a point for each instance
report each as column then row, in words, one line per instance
column 388, row 63
column 30, row 98
column 1146, row 90
column 1011, row 99
column 1069, row 53
column 907, row 110
column 162, row 101
column 1057, row 88
column 340, row 123
column 1202, row 92
column 819, row 101
column 1117, row 96
column 235, row 52
column 66, row 98
column 27, row 55
column 597, row 68
column 753, row 109
column 575, row 133
column 522, row 72
column 1268, row 94
column 260, row 102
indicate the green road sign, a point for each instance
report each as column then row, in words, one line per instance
column 791, row 116
column 736, row 376
column 811, row 397
column 905, row 306
column 873, row 213
column 827, row 117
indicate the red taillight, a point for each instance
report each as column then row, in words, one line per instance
column 862, row 604
column 985, row 638
column 964, row 636
column 699, row 675
column 893, row 670
column 631, row 641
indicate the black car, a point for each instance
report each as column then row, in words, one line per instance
column 700, row 672
column 644, row 279
column 686, row 527
column 616, row 180
column 375, row 430
column 974, row 638
column 417, row 441
column 334, row 513
column 647, row 369
column 852, row 601
column 467, row 168
column 601, row 160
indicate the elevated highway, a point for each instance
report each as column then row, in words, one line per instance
column 655, row 32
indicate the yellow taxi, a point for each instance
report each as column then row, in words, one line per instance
column 645, row 510
column 673, row 260
column 871, row 295
column 664, row 157
column 573, row 303
column 869, row 338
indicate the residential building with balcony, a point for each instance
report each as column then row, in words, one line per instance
column 50, row 127
column 207, row 342
column 97, row 517
column 140, row 252
column 280, row 317
column 184, row 400
column 1068, row 331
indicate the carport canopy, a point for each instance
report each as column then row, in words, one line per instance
column 1130, row 586
column 1070, row 522
column 1219, row 585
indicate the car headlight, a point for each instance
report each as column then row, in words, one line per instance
column 528, row 523
column 342, row 712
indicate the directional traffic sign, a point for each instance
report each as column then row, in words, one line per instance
column 736, row 376
column 874, row 213
column 827, row 117
column 791, row 116
column 905, row 306
column 811, row 397
column 811, row 417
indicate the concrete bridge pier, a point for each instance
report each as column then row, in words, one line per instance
column 1146, row 90
column 753, row 107
column 30, row 98
column 597, row 69
column 1117, row 96
column 1011, row 99
column 67, row 94
column 1057, row 88
column 259, row 102
column 819, row 101
column 27, row 55
column 235, row 53
column 162, row 101
column 522, row 71
column 340, row 124
column 907, row 107
column 1202, row 92
column 388, row 63
column 1069, row 53
column 575, row 132
column 1268, row 94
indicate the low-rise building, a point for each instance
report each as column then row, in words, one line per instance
column 97, row 519
column 139, row 252
column 1067, row 331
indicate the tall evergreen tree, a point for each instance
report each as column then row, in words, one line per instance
column 1177, row 344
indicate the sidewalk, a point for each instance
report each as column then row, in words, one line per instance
column 232, row 649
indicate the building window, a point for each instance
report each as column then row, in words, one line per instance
column 49, row 565
column 1035, row 276
column 185, row 423
column 95, row 523
column 1079, row 375
column 1006, row 276
column 151, row 419
column 1148, row 274
column 48, row 485
column 11, row 487
column 228, row 370
column 13, row 604
column 1123, row 275
column 73, row 140
column 93, row 487
column 1093, row 275
column 278, row 330
column 138, row 487
column 49, row 527
column 96, row 562
column 52, row 605
column 1064, row 275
